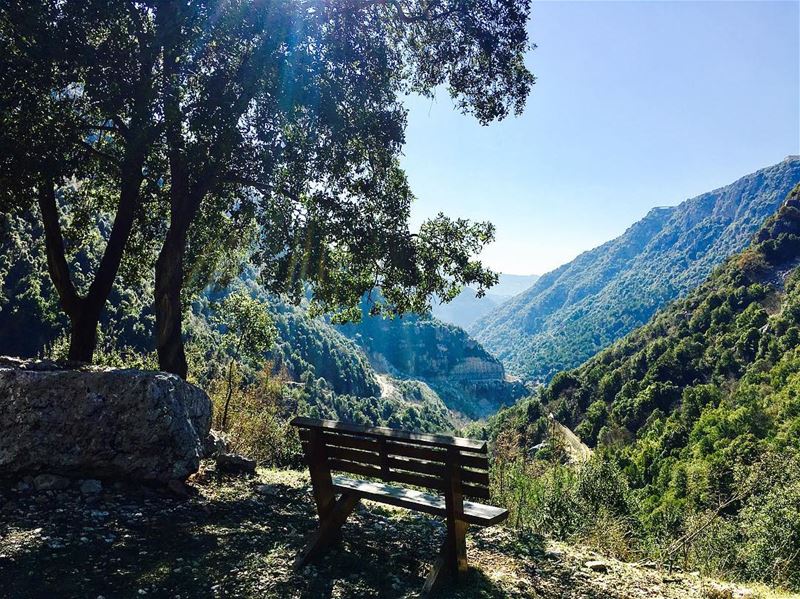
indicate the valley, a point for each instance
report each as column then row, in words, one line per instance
column 529, row 271
column 626, row 454
column 582, row 307
column 695, row 414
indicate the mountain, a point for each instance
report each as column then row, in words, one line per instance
column 571, row 313
column 726, row 335
column 330, row 376
column 466, row 308
column 700, row 410
column 469, row 380
column 411, row 372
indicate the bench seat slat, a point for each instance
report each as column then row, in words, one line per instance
column 479, row 478
column 431, row 468
column 344, row 454
column 478, row 462
column 408, row 478
column 474, row 513
column 405, row 450
column 475, row 491
column 421, row 474
column 361, row 443
column 463, row 444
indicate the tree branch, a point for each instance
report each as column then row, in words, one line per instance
column 426, row 16
column 96, row 127
column 692, row 534
column 54, row 244
column 102, row 155
column 120, row 124
column 255, row 184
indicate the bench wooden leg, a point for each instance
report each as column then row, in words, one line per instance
column 456, row 525
column 328, row 529
column 457, row 548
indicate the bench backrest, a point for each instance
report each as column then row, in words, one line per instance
column 391, row 455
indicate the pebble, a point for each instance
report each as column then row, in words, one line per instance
column 50, row 482
column 123, row 533
column 91, row 486
column 23, row 487
column 597, row 566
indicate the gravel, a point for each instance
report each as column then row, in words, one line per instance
column 237, row 537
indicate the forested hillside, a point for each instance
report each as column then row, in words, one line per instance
column 467, row 378
column 427, row 368
column 700, row 411
column 326, row 375
column 580, row 308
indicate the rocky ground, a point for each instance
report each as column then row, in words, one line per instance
column 236, row 537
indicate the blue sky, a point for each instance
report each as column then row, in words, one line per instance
column 637, row 104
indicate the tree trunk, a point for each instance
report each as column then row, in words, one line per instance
column 169, row 266
column 186, row 192
column 169, row 280
column 83, row 336
column 228, row 396
column 83, row 312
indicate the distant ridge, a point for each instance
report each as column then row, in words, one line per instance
column 466, row 309
column 578, row 309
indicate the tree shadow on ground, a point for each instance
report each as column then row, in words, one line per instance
column 231, row 543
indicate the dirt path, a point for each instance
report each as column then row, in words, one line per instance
column 579, row 450
column 388, row 388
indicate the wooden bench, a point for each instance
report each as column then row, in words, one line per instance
column 454, row 467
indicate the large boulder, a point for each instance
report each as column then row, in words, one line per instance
column 99, row 423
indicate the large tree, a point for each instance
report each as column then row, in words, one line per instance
column 77, row 123
column 292, row 109
column 286, row 113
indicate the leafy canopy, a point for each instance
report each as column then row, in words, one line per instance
column 267, row 130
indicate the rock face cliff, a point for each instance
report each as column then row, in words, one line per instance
column 98, row 423
column 469, row 379
column 582, row 307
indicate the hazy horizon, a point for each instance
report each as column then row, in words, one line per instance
column 637, row 105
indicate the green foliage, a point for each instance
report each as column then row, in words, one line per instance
column 325, row 373
column 258, row 426
column 261, row 132
column 245, row 325
column 591, row 504
column 699, row 412
column 579, row 309
column 30, row 317
column 245, row 333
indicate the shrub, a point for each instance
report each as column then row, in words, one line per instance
column 258, row 419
